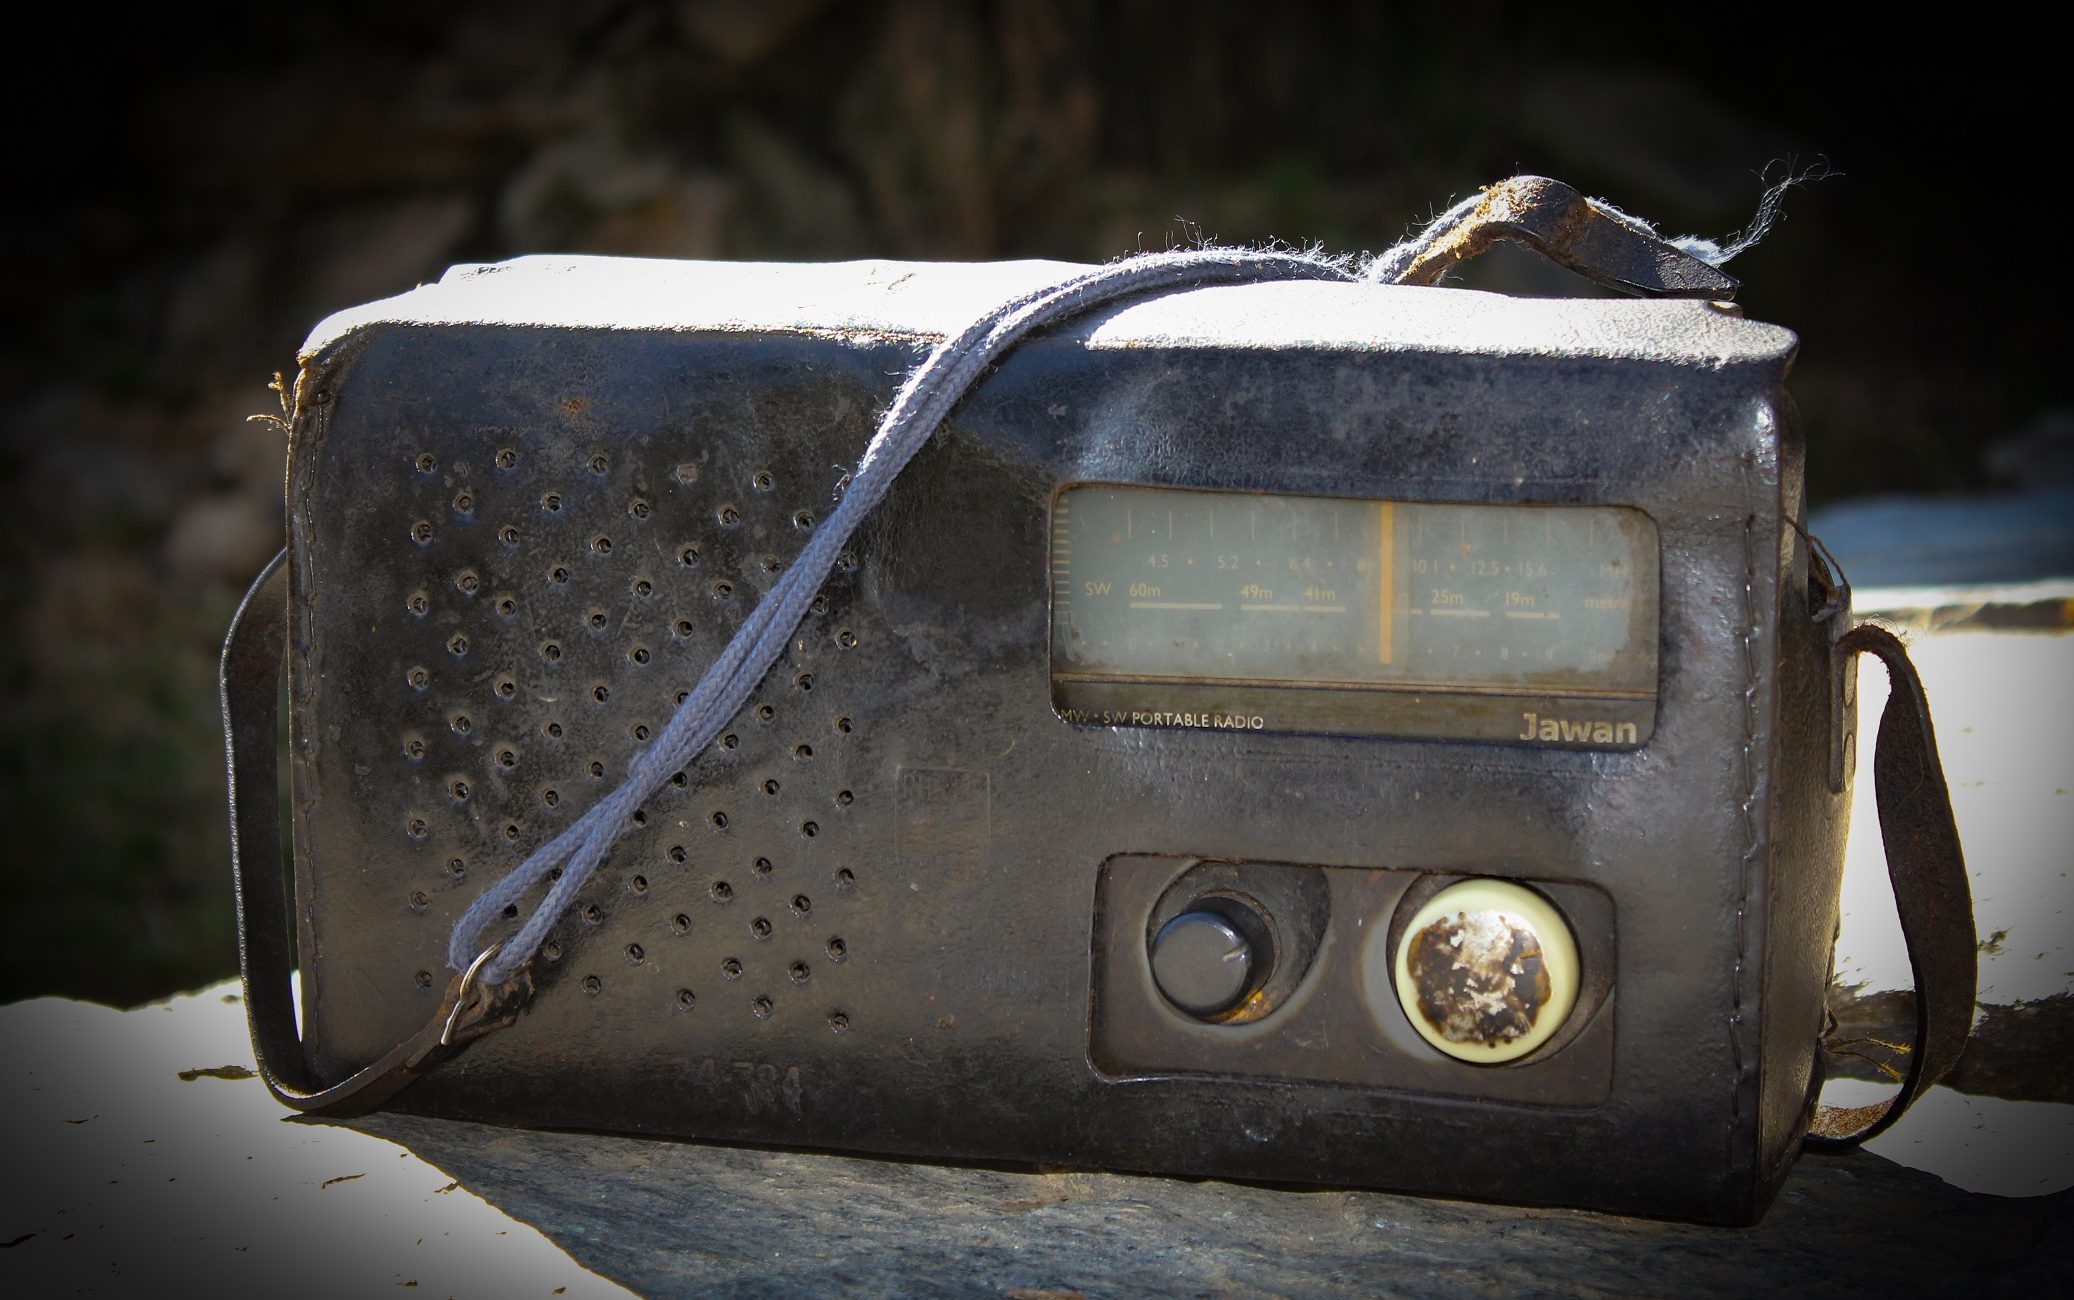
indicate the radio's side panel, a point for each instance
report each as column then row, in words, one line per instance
column 1809, row 815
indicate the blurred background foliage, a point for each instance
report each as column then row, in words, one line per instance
column 196, row 185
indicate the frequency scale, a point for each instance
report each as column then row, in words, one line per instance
column 1296, row 613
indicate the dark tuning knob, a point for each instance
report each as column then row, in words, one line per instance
column 1205, row 963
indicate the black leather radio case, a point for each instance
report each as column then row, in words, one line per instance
column 901, row 906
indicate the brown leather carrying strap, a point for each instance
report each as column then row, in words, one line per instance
column 1928, row 873
column 248, row 687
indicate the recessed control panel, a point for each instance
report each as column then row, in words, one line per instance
column 1426, row 981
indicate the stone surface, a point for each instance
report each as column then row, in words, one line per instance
column 2024, row 535
column 678, row 1219
column 144, row 1155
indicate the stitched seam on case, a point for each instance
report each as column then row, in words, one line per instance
column 1753, row 837
column 311, row 428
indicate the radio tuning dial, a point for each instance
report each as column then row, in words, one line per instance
column 1487, row 971
column 1206, row 963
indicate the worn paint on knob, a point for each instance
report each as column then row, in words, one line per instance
column 1487, row 971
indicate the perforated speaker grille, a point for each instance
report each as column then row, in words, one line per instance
column 550, row 606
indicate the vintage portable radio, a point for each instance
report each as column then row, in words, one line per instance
column 1298, row 730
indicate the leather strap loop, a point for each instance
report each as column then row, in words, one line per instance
column 1928, row 873
column 248, row 690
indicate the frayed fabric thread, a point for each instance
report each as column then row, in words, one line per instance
column 1392, row 264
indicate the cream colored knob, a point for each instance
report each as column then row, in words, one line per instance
column 1487, row 971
